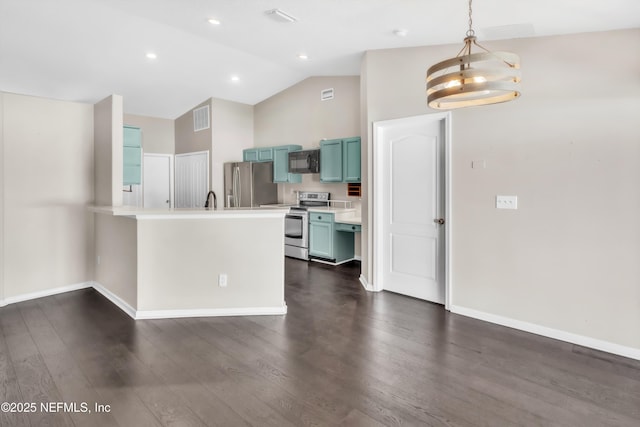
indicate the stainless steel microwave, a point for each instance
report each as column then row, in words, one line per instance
column 306, row 161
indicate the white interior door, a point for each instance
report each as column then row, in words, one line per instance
column 157, row 180
column 409, row 193
column 192, row 179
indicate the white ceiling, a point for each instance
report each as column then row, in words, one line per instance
column 85, row 50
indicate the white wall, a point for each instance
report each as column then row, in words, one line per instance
column 1, row 198
column 180, row 260
column 116, row 245
column 298, row 116
column 158, row 135
column 47, row 161
column 232, row 133
column 569, row 148
column 108, row 141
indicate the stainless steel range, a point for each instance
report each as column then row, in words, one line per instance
column 296, row 223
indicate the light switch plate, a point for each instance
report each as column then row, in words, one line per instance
column 506, row 202
column 222, row 280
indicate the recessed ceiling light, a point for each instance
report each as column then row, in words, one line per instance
column 401, row 32
column 235, row 78
column 213, row 21
column 281, row 15
column 151, row 55
column 303, row 56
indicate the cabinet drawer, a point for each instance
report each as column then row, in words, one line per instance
column 353, row 228
column 320, row 217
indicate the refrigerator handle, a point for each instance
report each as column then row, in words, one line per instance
column 235, row 187
column 238, row 187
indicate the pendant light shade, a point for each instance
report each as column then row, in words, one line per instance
column 472, row 79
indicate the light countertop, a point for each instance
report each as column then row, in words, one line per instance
column 196, row 213
column 343, row 215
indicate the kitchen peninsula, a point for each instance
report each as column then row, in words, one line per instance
column 162, row 263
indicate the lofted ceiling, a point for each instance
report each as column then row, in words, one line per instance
column 85, row 50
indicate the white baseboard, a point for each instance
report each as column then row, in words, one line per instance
column 323, row 261
column 211, row 312
column 609, row 347
column 366, row 285
column 170, row 314
column 45, row 293
column 149, row 314
column 115, row 299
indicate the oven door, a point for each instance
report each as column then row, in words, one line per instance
column 296, row 230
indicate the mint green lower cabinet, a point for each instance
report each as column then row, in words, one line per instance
column 325, row 239
column 350, row 228
column 321, row 239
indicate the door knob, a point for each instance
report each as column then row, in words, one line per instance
column 439, row 221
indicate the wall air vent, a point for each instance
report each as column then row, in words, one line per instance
column 326, row 94
column 201, row 118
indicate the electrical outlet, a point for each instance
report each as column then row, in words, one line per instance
column 98, row 259
column 222, row 280
column 506, row 202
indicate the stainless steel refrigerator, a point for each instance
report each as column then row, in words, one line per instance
column 248, row 184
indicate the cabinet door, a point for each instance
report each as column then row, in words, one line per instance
column 265, row 154
column 132, row 156
column 351, row 160
column 250, row 155
column 132, row 137
column 132, row 166
column 331, row 161
column 281, row 164
column 321, row 239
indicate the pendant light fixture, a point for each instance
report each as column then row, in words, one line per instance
column 473, row 78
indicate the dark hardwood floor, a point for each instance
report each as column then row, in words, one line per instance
column 341, row 356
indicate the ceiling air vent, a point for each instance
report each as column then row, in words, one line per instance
column 201, row 118
column 326, row 94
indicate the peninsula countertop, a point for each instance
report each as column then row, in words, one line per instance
column 192, row 213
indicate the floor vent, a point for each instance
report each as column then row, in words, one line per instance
column 326, row 94
column 201, row 118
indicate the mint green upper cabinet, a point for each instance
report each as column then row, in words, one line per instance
column 281, row 164
column 132, row 137
column 132, row 156
column 340, row 160
column 331, row 160
column 279, row 156
column 250, row 155
column 262, row 154
column 265, row 154
column 351, row 160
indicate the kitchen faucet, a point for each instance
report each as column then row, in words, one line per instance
column 215, row 201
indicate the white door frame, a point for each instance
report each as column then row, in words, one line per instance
column 171, row 175
column 377, row 230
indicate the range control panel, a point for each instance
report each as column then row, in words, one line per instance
column 313, row 196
